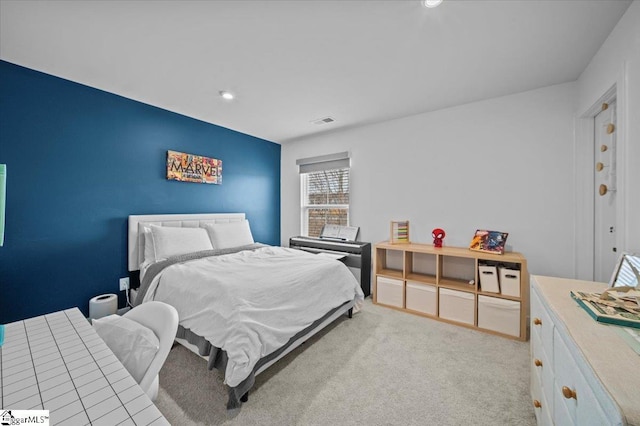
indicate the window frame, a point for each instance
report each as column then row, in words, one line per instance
column 305, row 208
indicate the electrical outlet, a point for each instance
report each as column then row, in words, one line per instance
column 124, row 284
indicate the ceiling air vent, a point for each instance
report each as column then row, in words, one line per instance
column 323, row 120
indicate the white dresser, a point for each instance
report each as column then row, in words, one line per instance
column 582, row 372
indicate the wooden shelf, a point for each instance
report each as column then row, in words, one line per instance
column 499, row 295
column 423, row 278
column 457, row 285
column 449, row 268
column 391, row 273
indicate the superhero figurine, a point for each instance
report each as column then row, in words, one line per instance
column 438, row 235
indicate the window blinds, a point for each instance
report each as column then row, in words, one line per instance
column 339, row 160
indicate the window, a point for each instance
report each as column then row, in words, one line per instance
column 324, row 183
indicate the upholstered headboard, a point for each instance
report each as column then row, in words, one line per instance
column 136, row 238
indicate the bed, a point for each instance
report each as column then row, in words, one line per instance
column 242, row 305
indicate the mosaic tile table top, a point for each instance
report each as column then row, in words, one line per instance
column 57, row 362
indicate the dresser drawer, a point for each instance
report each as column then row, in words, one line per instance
column 561, row 413
column 541, row 323
column 540, row 404
column 572, row 394
column 536, row 393
column 536, row 354
column 542, row 366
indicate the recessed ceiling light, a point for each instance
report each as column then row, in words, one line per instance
column 432, row 3
column 227, row 95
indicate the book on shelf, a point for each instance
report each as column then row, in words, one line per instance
column 614, row 308
column 489, row 241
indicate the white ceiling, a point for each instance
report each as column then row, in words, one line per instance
column 291, row 62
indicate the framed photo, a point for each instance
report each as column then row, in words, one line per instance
column 627, row 271
column 489, row 241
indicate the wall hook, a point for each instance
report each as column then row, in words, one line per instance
column 604, row 189
column 611, row 128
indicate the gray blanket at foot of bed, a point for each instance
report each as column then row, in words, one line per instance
column 218, row 357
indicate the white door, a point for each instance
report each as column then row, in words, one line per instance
column 605, row 251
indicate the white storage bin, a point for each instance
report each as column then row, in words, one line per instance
column 499, row 315
column 390, row 292
column 488, row 276
column 456, row 305
column 421, row 297
column 509, row 281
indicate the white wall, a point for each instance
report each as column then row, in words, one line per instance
column 504, row 164
column 616, row 63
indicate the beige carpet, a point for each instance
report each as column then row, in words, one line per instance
column 382, row 367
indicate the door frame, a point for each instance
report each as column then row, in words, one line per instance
column 584, row 177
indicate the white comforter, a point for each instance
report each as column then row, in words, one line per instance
column 252, row 302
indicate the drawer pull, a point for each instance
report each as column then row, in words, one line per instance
column 537, row 321
column 536, row 403
column 569, row 393
column 537, row 362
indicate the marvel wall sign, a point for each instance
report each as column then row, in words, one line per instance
column 193, row 168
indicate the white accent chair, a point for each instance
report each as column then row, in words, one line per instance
column 162, row 319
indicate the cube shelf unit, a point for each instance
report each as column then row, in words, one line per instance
column 435, row 283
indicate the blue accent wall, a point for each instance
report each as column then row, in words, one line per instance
column 80, row 160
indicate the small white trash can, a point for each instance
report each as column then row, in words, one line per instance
column 103, row 305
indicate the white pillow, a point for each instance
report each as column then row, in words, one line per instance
column 149, row 250
column 231, row 234
column 132, row 343
column 171, row 241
